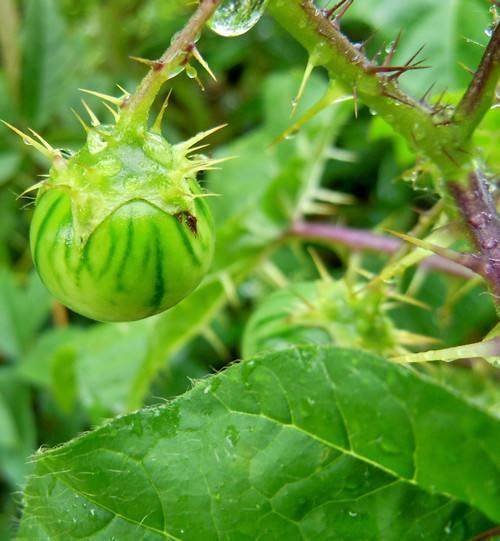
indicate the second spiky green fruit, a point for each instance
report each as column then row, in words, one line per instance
column 121, row 230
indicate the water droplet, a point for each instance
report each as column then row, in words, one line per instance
column 291, row 134
column 489, row 30
column 191, row 71
column 236, row 17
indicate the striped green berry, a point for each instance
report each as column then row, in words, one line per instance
column 320, row 312
column 121, row 230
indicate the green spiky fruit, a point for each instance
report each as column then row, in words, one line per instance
column 121, row 230
column 320, row 312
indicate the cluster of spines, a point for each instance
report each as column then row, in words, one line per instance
column 440, row 111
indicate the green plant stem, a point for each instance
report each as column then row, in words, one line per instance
column 445, row 142
column 348, row 65
column 137, row 107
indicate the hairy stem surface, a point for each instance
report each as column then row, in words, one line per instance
column 139, row 104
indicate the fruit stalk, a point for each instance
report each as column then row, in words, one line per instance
column 136, row 108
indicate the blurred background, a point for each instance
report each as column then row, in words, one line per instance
column 61, row 374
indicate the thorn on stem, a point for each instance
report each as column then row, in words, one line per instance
column 392, row 50
column 156, row 128
column 343, row 6
column 427, row 92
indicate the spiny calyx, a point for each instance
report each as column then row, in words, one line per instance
column 115, row 167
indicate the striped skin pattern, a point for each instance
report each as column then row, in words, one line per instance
column 319, row 312
column 272, row 325
column 138, row 262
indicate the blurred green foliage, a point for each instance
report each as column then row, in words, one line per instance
column 61, row 374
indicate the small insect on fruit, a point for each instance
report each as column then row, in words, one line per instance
column 121, row 229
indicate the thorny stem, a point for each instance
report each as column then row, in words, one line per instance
column 445, row 142
column 139, row 104
column 478, row 209
column 363, row 240
column 481, row 92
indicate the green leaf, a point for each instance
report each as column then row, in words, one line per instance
column 9, row 164
column 311, row 443
column 45, row 61
column 97, row 365
column 22, row 312
column 17, row 427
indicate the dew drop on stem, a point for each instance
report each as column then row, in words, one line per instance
column 236, row 17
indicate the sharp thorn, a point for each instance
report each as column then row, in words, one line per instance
column 106, row 97
column 85, row 126
column 466, row 68
column 467, row 260
column 156, row 128
column 150, row 63
column 199, row 137
column 407, row 299
column 203, row 63
column 392, row 50
column 427, row 92
column 198, row 147
column 344, row 9
column 42, row 140
column 305, row 78
column 126, row 93
column 93, row 118
column 32, row 142
column 329, row 13
column 116, row 116
column 415, row 55
column 412, row 339
column 320, row 266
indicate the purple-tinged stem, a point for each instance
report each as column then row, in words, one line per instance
column 477, row 206
column 364, row 240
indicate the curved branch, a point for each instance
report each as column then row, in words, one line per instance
column 364, row 240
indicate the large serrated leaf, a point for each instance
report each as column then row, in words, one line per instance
column 314, row 443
